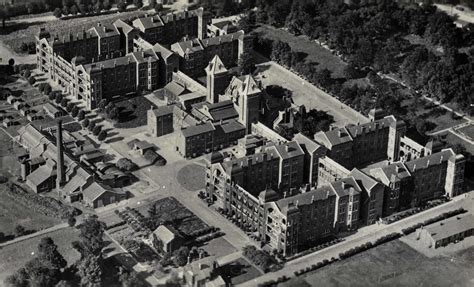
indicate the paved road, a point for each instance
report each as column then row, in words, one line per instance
column 366, row 234
column 305, row 93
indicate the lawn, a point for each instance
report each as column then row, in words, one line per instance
column 396, row 264
column 467, row 131
column 16, row 255
column 218, row 247
column 25, row 32
column 238, row 272
column 13, row 213
column 192, row 177
column 133, row 112
column 315, row 53
column 9, row 165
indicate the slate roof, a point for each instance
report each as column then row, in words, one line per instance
column 231, row 126
column 104, row 31
column 430, row 160
column 306, row 198
column 126, row 28
column 41, row 174
column 367, row 181
column 93, row 191
column 197, row 130
column 310, row 145
column 345, row 186
column 175, row 88
column 289, row 150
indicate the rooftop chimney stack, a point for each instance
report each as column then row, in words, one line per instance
column 60, row 157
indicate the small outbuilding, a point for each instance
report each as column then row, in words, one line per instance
column 167, row 239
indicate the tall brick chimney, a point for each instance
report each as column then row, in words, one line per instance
column 60, row 156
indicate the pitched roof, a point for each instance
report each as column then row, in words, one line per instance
column 197, row 130
column 306, row 198
column 126, row 28
column 93, row 191
column 216, row 66
column 104, row 31
column 309, row 145
column 345, row 186
column 40, row 175
column 289, row 150
column 430, row 160
column 367, row 181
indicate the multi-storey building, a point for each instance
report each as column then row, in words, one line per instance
column 298, row 222
column 134, row 72
column 195, row 54
column 312, row 153
column 173, row 27
column 357, row 145
column 200, row 139
column 371, row 197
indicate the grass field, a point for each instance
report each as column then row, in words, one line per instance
column 315, row 53
column 397, row 264
column 192, row 177
column 16, row 255
column 13, row 213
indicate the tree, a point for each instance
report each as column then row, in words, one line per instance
column 158, row 7
column 246, row 63
column 19, row 230
column 70, row 106
column 57, row 12
column 247, row 22
column 89, row 269
column 113, row 114
column 91, row 126
column 75, row 111
column 74, row 10
column 97, row 129
column 102, row 135
column 102, row 104
column 49, row 255
column 91, row 236
column 11, row 62
column 181, row 256
column 26, row 73
column 71, row 221
column 47, row 89
column 131, row 280
column 126, row 164
column 82, row 115
column 121, row 6
column 138, row 3
column 59, row 98
column 32, row 80
column 85, row 123
column 64, row 102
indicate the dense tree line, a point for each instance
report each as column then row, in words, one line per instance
column 373, row 35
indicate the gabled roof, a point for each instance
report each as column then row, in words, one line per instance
column 216, row 66
column 367, row 181
column 126, row 28
column 430, row 160
column 197, row 130
column 345, row 186
column 289, row 150
column 104, row 31
column 306, row 198
column 40, row 175
column 163, row 110
column 93, row 191
column 309, row 145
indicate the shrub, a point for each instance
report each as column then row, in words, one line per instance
column 97, row 129
column 70, row 106
column 126, row 164
column 102, row 135
column 19, row 230
column 26, row 73
column 47, row 89
column 64, row 102
column 32, row 80
column 75, row 111
column 59, row 98
column 57, row 13
column 71, row 221
column 82, row 115
column 85, row 123
column 91, row 125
